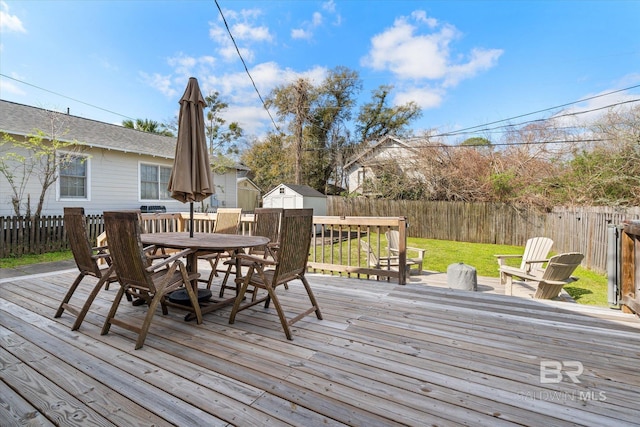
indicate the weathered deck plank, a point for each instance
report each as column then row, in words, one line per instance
column 383, row 355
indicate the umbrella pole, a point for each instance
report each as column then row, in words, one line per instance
column 191, row 219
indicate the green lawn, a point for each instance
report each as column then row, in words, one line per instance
column 590, row 289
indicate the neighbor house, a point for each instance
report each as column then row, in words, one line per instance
column 360, row 169
column 112, row 167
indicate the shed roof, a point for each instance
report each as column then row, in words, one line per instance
column 303, row 190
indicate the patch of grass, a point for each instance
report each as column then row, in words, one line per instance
column 35, row 259
column 591, row 289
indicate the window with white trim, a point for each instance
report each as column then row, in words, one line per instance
column 154, row 180
column 73, row 178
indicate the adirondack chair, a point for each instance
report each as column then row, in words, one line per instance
column 393, row 240
column 266, row 224
column 384, row 263
column 87, row 260
column 557, row 274
column 140, row 277
column 535, row 255
column 290, row 264
column 227, row 222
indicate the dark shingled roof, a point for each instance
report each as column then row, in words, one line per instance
column 19, row 119
column 305, row 190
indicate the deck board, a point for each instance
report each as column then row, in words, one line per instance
column 383, row 355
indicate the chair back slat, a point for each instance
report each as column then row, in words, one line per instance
column 267, row 224
column 393, row 239
column 227, row 220
column 126, row 249
column 535, row 248
column 295, row 240
column 75, row 224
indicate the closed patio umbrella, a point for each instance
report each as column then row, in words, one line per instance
column 191, row 179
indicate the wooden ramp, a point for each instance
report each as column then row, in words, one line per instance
column 385, row 355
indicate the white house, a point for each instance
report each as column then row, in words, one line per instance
column 113, row 168
column 290, row 196
column 359, row 168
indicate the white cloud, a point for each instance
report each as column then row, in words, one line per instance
column 417, row 50
column 425, row 97
column 161, row 83
column 9, row 23
column 307, row 28
column 245, row 31
column 299, row 33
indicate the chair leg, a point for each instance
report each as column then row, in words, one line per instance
column 508, row 283
column 224, row 286
column 69, row 294
column 92, row 296
column 276, row 304
column 312, row 297
column 153, row 305
column 239, row 297
column 194, row 303
column 112, row 311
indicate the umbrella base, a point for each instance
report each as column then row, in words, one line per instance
column 182, row 297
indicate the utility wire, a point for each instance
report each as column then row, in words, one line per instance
column 513, row 125
column 245, row 67
column 67, row 97
column 539, row 111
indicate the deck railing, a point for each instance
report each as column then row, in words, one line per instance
column 335, row 246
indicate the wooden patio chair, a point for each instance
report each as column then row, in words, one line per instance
column 536, row 252
column 139, row 276
column 227, row 222
column 87, row 260
column 557, row 274
column 382, row 263
column 266, row 224
column 290, row 264
column 393, row 240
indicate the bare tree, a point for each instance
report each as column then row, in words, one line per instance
column 39, row 155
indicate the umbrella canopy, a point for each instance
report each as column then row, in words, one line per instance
column 191, row 179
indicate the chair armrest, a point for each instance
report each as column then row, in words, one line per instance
column 420, row 251
column 501, row 258
column 257, row 260
column 170, row 259
column 535, row 261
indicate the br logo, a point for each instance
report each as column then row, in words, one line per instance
column 552, row 371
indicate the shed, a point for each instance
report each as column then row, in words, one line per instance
column 248, row 194
column 296, row 196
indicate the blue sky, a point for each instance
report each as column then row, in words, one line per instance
column 465, row 62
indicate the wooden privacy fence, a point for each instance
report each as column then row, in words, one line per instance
column 580, row 229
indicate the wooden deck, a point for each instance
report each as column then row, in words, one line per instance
column 383, row 355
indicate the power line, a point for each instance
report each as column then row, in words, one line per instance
column 67, row 97
column 513, row 125
column 539, row 111
column 245, row 67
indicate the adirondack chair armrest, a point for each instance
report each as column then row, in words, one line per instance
column 420, row 251
column 501, row 258
column 535, row 261
column 165, row 261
